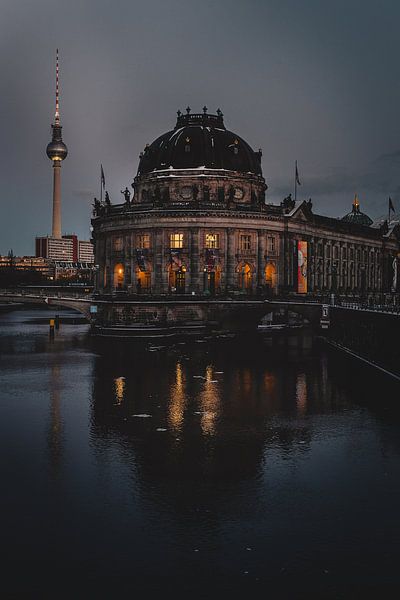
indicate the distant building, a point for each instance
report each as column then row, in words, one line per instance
column 28, row 263
column 56, row 248
column 65, row 249
column 85, row 252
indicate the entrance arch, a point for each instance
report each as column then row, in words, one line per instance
column 245, row 276
column 270, row 276
column 119, row 276
column 176, row 279
column 212, row 280
column 142, row 281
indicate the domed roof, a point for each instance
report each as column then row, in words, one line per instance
column 356, row 216
column 200, row 140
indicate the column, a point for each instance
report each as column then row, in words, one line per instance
column 158, row 254
column 194, row 259
column 230, row 258
column 261, row 251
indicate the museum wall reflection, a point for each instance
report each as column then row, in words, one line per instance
column 206, row 411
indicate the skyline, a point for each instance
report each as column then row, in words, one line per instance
column 122, row 93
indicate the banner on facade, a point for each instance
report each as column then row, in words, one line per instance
column 140, row 259
column 175, row 259
column 211, row 256
column 394, row 278
column 302, row 257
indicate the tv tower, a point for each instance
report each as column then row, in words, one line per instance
column 56, row 151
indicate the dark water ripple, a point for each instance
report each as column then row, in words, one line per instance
column 202, row 468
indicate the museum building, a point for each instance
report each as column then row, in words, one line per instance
column 198, row 223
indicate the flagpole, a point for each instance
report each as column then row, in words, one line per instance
column 101, row 185
column 295, row 182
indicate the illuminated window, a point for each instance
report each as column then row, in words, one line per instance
column 118, row 243
column 143, row 240
column 212, row 240
column 176, row 240
column 245, row 242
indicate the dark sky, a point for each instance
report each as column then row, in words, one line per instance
column 312, row 80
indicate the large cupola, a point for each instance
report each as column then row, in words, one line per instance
column 200, row 140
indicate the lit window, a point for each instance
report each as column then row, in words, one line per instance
column 143, row 240
column 245, row 242
column 212, row 240
column 176, row 240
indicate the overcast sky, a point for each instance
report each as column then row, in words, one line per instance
column 312, row 80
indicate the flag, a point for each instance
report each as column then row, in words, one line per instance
column 391, row 207
column 103, row 179
column 297, row 176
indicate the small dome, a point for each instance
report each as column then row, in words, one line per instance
column 356, row 216
column 200, row 140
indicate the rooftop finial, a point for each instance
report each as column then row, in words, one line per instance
column 188, row 109
column 356, row 203
column 205, row 109
column 57, row 115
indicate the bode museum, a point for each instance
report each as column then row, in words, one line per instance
column 198, row 222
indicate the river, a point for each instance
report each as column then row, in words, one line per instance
column 206, row 467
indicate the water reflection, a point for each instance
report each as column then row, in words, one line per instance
column 171, row 463
column 209, row 400
column 55, row 429
column 177, row 401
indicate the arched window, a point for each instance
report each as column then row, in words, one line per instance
column 119, row 273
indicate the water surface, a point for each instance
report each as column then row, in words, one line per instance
column 206, row 467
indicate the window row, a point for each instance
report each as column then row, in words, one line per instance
column 211, row 240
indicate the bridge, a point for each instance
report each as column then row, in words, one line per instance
column 370, row 332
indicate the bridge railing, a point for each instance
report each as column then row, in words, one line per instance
column 382, row 308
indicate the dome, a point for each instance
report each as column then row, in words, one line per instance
column 356, row 216
column 200, row 140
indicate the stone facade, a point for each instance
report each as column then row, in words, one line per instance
column 204, row 229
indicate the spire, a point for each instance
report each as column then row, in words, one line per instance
column 356, row 204
column 57, row 115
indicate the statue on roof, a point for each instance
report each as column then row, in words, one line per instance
column 127, row 195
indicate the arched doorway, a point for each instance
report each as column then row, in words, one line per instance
column 119, row 273
column 270, row 277
column 212, row 280
column 142, row 281
column 176, row 279
column 245, row 277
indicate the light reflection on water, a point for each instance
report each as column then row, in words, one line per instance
column 168, row 465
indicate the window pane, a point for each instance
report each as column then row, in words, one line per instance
column 212, row 240
column 176, row 240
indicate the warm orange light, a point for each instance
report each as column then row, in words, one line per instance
column 120, row 271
